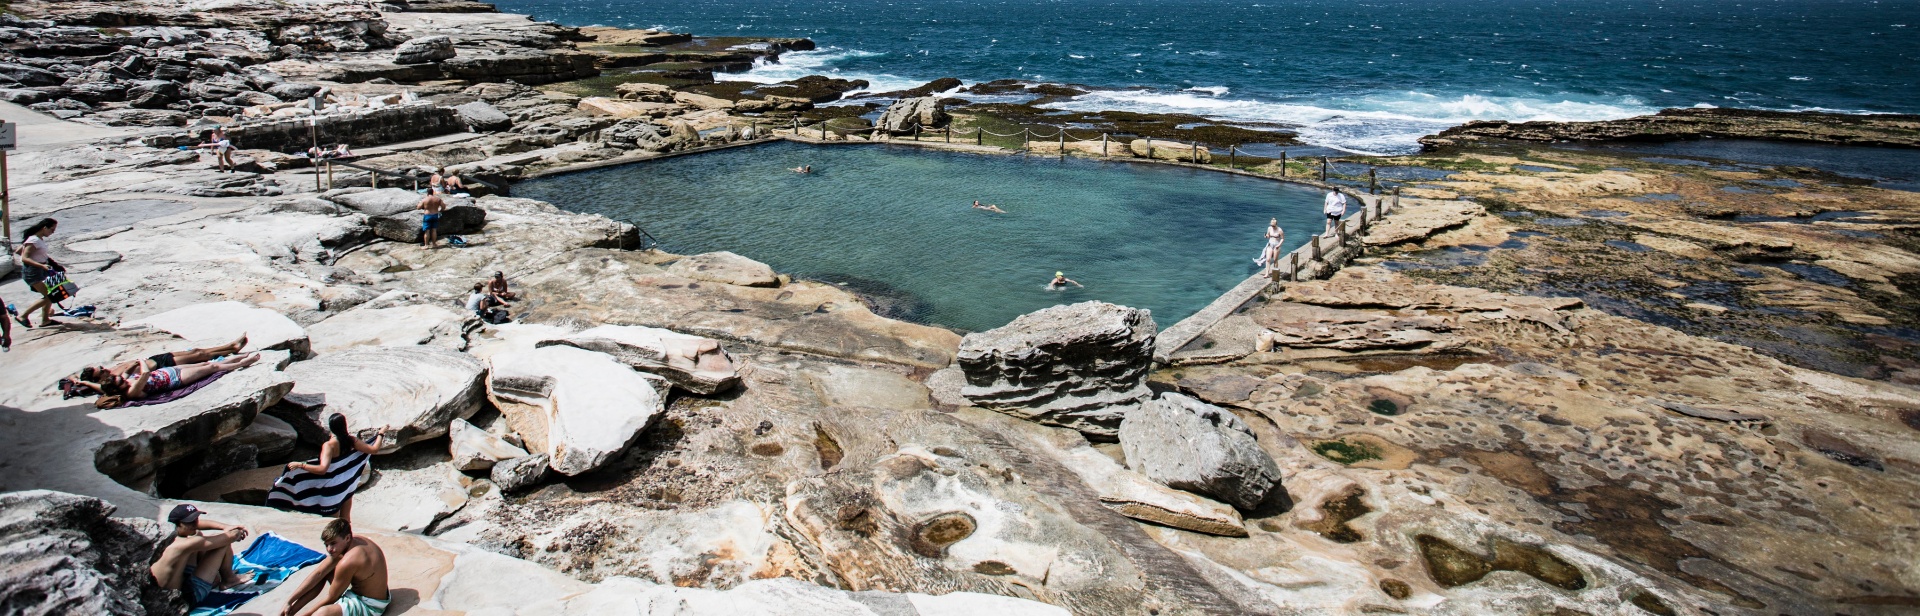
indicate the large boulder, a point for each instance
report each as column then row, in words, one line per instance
column 693, row 363
column 474, row 449
column 483, row 118
column 393, row 213
column 1198, row 447
column 423, row 50
column 725, row 268
column 1080, row 366
column 407, row 394
column 217, row 323
column 905, row 114
column 519, row 473
column 67, row 554
column 701, row 101
column 152, row 93
column 594, row 406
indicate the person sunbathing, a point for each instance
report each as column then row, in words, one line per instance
column 116, row 390
column 92, row 374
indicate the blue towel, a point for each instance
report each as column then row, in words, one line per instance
column 271, row 559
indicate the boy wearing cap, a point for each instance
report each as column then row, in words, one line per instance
column 197, row 563
column 354, row 576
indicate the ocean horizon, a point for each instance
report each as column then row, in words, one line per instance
column 1362, row 77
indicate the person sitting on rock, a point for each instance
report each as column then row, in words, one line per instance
column 341, row 449
column 1060, row 279
column 93, row 374
column 452, row 184
column 353, row 578
column 195, row 563
column 116, row 390
column 989, row 207
column 486, row 306
column 498, row 288
column 431, row 206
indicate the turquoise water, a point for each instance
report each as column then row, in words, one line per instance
column 1362, row 76
column 895, row 223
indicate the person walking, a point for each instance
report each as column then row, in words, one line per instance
column 35, row 266
column 1335, row 208
column 222, row 149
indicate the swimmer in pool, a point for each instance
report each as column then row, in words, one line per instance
column 803, row 169
column 988, row 207
column 1060, row 279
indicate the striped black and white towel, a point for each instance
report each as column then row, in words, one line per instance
column 320, row 493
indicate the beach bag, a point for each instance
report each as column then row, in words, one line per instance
column 57, row 288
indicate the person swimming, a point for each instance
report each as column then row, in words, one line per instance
column 803, row 169
column 1060, row 279
column 989, row 207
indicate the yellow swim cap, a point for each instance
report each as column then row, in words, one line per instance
column 1060, row 273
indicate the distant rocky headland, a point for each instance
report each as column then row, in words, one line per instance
column 1545, row 380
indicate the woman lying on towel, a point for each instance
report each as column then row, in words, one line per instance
column 116, row 389
column 72, row 387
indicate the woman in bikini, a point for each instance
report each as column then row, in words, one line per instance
column 71, row 386
column 1270, row 256
column 117, row 389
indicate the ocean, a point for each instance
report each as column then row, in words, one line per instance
column 1366, row 77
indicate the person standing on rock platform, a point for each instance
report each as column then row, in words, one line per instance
column 196, row 563
column 1270, row 256
column 431, row 206
column 353, row 578
column 222, row 149
column 1335, row 208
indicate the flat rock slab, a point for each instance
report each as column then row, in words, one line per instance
column 1194, row 446
column 474, row 449
column 1138, row 497
column 153, row 436
column 407, row 394
column 595, row 405
column 410, row 500
column 412, row 325
column 221, row 322
column 692, row 363
column 394, row 213
column 725, row 268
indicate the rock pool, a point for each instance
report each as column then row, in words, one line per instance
column 895, row 223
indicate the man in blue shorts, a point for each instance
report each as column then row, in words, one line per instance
column 431, row 206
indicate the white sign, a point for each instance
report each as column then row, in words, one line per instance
column 6, row 135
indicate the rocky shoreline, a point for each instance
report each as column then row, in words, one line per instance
column 1547, row 387
column 1887, row 130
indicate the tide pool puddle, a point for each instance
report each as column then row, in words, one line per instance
column 896, row 223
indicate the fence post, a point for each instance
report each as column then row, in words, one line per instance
column 949, row 132
column 1315, row 241
column 978, row 135
column 1340, row 233
column 1025, row 134
column 1230, row 158
column 1103, row 144
column 1323, row 168
column 1283, row 163
column 329, row 175
column 1396, row 198
column 1149, row 148
column 1373, row 181
column 1294, row 258
column 916, row 133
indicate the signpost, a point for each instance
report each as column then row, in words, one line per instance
column 7, row 139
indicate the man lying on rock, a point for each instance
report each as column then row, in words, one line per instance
column 197, row 563
column 354, row 576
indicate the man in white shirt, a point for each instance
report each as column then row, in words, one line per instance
column 1335, row 208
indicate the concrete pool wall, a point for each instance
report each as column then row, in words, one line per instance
column 1319, row 257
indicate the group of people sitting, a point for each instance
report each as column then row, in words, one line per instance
column 155, row 376
column 350, row 581
column 489, row 299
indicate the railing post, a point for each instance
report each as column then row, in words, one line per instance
column 1025, row 133
column 1315, row 241
column 1373, row 181
column 1063, row 143
column 949, row 132
column 1196, row 152
column 1294, row 259
column 1103, row 144
column 916, row 133
column 329, row 175
column 1340, row 233
column 1323, row 168
column 1231, row 159
column 1283, row 163
column 979, row 134
column 1396, row 199
column 1149, row 148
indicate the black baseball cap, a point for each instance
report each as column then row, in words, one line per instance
column 184, row 514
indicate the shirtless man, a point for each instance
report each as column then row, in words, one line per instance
column 354, row 576
column 432, row 205
column 196, row 563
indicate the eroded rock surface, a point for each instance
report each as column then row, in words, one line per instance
column 66, row 554
column 1080, row 366
column 405, row 394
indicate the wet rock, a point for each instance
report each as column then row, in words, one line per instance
column 423, row 50
column 519, row 473
column 594, row 406
column 1675, row 124
column 1194, row 446
column 1080, row 366
column 67, row 554
column 725, row 268
column 474, row 449
column 407, row 394
column 907, row 114
column 693, row 363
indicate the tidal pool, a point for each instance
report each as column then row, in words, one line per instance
column 895, row 224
